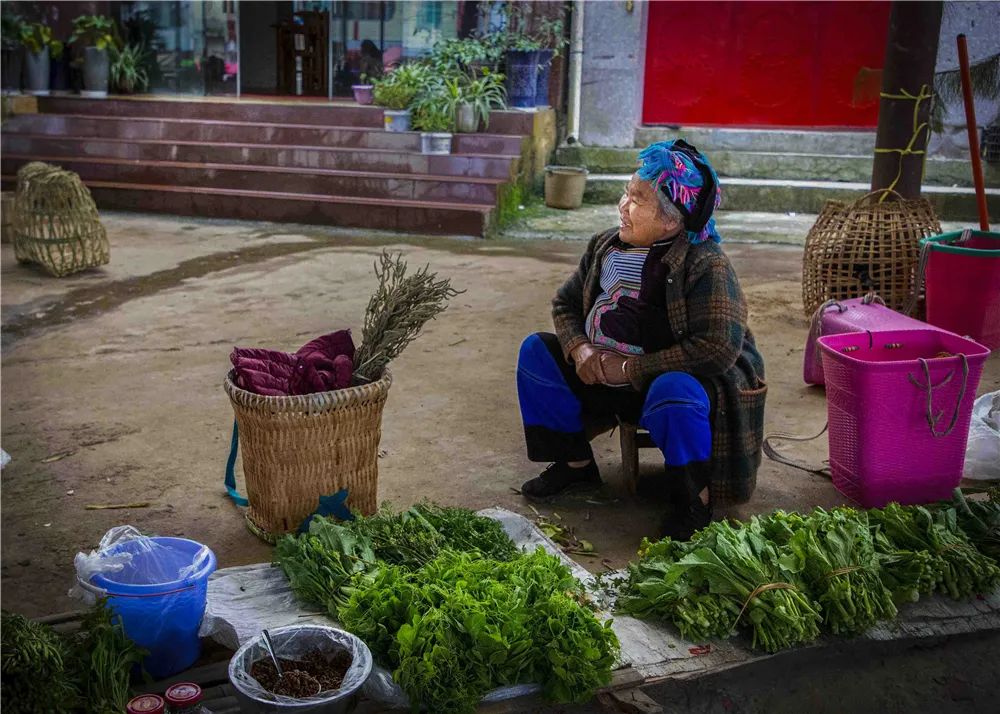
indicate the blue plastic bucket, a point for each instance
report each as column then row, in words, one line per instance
column 160, row 596
column 522, row 77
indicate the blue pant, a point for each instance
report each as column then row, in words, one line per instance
column 556, row 405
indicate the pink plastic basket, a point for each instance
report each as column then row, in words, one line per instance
column 893, row 438
column 855, row 315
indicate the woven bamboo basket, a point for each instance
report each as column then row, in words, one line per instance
column 868, row 245
column 296, row 449
column 56, row 224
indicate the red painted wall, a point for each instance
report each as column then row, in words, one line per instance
column 793, row 64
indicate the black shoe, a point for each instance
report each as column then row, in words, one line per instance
column 560, row 478
column 681, row 523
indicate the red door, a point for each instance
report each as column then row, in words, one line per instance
column 793, row 64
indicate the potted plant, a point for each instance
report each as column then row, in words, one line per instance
column 397, row 90
column 96, row 33
column 13, row 50
column 37, row 41
column 522, row 70
column 363, row 93
column 127, row 70
column 434, row 117
column 479, row 97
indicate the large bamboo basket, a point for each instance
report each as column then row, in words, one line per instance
column 56, row 224
column 866, row 246
column 296, row 449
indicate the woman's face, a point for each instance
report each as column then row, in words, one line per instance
column 642, row 221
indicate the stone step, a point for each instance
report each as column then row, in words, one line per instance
column 482, row 192
column 292, row 156
column 774, row 165
column 438, row 218
column 212, row 131
column 787, row 196
column 712, row 139
column 319, row 113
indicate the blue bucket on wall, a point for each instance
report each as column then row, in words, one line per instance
column 542, row 83
column 522, row 77
column 160, row 595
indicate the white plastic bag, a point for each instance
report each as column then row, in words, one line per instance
column 982, row 455
column 108, row 558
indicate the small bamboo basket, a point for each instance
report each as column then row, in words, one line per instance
column 56, row 224
column 866, row 246
column 298, row 448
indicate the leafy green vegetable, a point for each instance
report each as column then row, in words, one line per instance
column 956, row 568
column 724, row 578
column 320, row 564
column 88, row 670
column 835, row 553
column 464, row 624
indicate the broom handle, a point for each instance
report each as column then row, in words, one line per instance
column 970, row 121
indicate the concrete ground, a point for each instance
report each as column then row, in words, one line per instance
column 112, row 381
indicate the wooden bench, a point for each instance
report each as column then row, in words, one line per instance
column 632, row 438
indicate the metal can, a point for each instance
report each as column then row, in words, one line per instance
column 184, row 698
column 145, row 704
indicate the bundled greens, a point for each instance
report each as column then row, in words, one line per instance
column 464, row 624
column 958, row 569
column 779, row 574
column 85, row 671
column 728, row 577
column 835, row 554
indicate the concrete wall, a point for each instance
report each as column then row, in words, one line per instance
column 614, row 51
column 980, row 21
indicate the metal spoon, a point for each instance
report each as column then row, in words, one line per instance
column 269, row 646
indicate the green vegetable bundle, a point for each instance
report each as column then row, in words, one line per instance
column 835, row 554
column 464, row 624
column 728, row 577
column 958, row 569
column 979, row 520
column 85, row 671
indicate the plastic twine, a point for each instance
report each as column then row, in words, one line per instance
column 842, row 571
column 924, row 94
column 758, row 591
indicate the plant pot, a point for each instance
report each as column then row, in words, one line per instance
column 466, row 120
column 397, row 119
column 564, row 186
column 95, row 72
column 36, row 72
column 363, row 93
column 13, row 60
column 59, row 70
column 522, row 78
column 542, row 82
column 432, row 142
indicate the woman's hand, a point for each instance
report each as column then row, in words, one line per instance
column 587, row 360
column 613, row 368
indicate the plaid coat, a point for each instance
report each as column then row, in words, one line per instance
column 707, row 316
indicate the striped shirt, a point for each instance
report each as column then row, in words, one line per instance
column 621, row 276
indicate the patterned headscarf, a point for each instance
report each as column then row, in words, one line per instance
column 688, row 181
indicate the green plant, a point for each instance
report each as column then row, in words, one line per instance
column 94, row 31
column 486, row 93
column 128, row 68
column 36, row 37
column 435, row 112
column 399, row 88
column 11, row 28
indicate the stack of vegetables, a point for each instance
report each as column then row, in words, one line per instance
column 787, row 577
column 446, row 601
column 84, row 671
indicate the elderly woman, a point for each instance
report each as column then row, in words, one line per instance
column 651, row 329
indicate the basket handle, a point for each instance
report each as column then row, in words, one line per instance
column 230, row 479
column 882, row 191
column 929, row 388
column 772, row 453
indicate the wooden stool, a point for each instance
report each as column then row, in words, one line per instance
column 632, row 439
